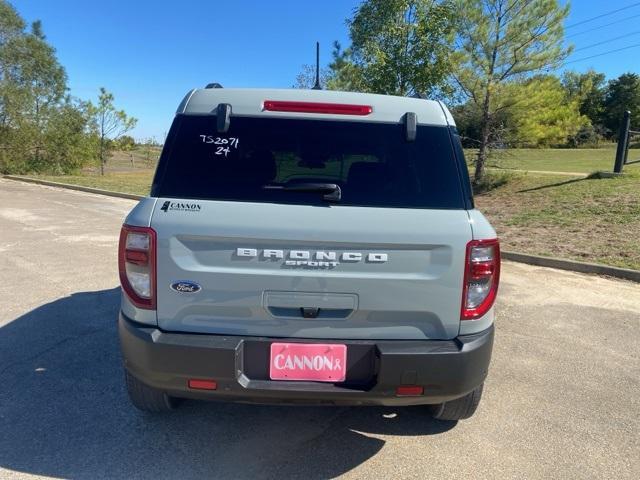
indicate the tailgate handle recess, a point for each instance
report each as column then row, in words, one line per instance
column 310, row 312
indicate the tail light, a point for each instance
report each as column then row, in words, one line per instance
column 481, row 278
column 137, row 265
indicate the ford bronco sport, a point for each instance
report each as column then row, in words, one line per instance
column 303, row 246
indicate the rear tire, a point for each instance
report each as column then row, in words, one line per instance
column 460, row 408
column 146, row 398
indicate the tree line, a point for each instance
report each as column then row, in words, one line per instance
column 576, row 109
column 491, row 61
column 42, row 127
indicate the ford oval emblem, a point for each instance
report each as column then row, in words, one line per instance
column 186, row 286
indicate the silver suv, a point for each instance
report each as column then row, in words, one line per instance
column 309, row 247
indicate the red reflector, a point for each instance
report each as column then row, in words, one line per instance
column 482, row 269
column 409, row 390
column 136, row 256
column 199, row 384
column 314, row 107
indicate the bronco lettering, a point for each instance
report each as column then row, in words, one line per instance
column 312, row 259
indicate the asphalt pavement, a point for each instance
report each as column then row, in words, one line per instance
column 562, row 399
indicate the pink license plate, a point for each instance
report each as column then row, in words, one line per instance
column 308, row 361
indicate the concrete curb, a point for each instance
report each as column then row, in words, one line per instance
column 572, row 265
column 69, row 186
column 549, row 262
column 540, row 172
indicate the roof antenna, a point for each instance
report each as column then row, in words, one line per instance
column 317, row 85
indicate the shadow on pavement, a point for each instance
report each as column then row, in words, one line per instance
column 64, row 413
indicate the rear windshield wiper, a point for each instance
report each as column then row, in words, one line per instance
column 331, row 191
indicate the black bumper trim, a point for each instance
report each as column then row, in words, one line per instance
column 447, row 369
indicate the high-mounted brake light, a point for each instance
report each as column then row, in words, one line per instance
column 314, row 107
column 137, row 265
column 481, row 278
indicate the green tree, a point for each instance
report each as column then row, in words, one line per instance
column 398, row 47
column 45, row 80
column 588, row 89
column 468, row 117
column 622, row 93
column 32, row 90
column 307, row 77
column 67, row 143
column 11, row 25
column 500, row 41
column 344, row 74
column 543, row 114
column 110, row 124
column 126, row 143
column 11, row 29
column 41, row 127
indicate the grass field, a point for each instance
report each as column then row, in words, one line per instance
column 129, row 172
column 594, row 220
column 137, row 182
column 591, row 220
column 557, row 160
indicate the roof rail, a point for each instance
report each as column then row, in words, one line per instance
column 213, row 85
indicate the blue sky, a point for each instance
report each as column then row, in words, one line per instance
column 150, row 53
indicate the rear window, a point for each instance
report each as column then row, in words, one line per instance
column 264, row 159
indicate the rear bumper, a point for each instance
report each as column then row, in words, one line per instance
column 447, row 369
